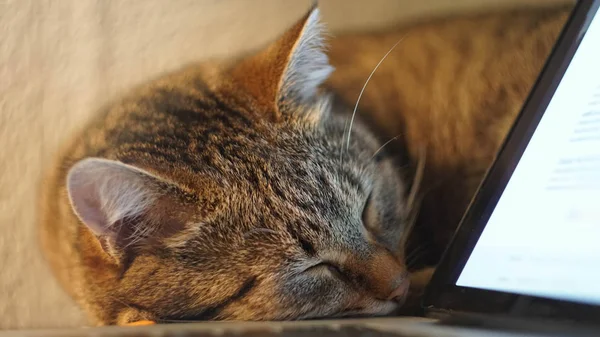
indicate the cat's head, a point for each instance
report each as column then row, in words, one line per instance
column 271, row 208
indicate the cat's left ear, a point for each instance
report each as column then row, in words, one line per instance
column 125, row 207
column 289, row 72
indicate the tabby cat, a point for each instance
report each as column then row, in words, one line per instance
column 245, row 189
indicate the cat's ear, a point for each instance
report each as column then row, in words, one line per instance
column 290, row 70
column 125, row 207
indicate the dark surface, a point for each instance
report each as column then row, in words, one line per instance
column 344, row 331
column 312, row 331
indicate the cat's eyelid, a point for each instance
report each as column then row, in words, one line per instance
column 328, row 257
column 325, row 264
column 307, row 266
column 334, row 269
column 365, row 211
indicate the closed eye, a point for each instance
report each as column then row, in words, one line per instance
column 333, row 269
column 367, row 216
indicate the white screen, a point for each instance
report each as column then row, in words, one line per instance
column 543, row 237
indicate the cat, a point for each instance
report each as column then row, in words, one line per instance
column 247, row 189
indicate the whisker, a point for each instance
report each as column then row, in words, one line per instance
column 414, row 260
column 342, row 147
column 384, row 145
column 414, row 189
column 364, row 87
column 415, row 256
column 411, row 222
column 119, row 300
column 413, row 252
column 413, row 201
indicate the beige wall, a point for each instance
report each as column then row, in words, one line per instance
column 59, row 59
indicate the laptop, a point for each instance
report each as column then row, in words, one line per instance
column 525, row 260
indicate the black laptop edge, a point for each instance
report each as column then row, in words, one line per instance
column 443, row 297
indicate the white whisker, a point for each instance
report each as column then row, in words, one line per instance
column 413, row 201
column 384, row 145
column 414, row 254
column 342, row 147
column 363, row 90
column 414, row 189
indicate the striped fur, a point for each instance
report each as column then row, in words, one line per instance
column 225, row 190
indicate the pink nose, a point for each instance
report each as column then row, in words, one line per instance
column 401, row 290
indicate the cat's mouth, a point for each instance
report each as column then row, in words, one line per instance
column 382, row 308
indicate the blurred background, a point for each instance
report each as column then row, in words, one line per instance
column 61, row 59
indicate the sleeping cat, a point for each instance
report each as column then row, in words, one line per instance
column 245, row 189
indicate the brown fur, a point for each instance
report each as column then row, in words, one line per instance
column 249, row 205
column 453, row 87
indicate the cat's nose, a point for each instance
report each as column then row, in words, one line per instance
column 400, row 291
column 387, row 278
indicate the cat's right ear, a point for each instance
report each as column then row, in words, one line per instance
column 289, row 72
column 125, row 207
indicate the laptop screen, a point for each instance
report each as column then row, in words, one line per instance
column 543, row 237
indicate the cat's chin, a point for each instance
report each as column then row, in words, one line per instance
column 383, row 308
column 380, row 308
